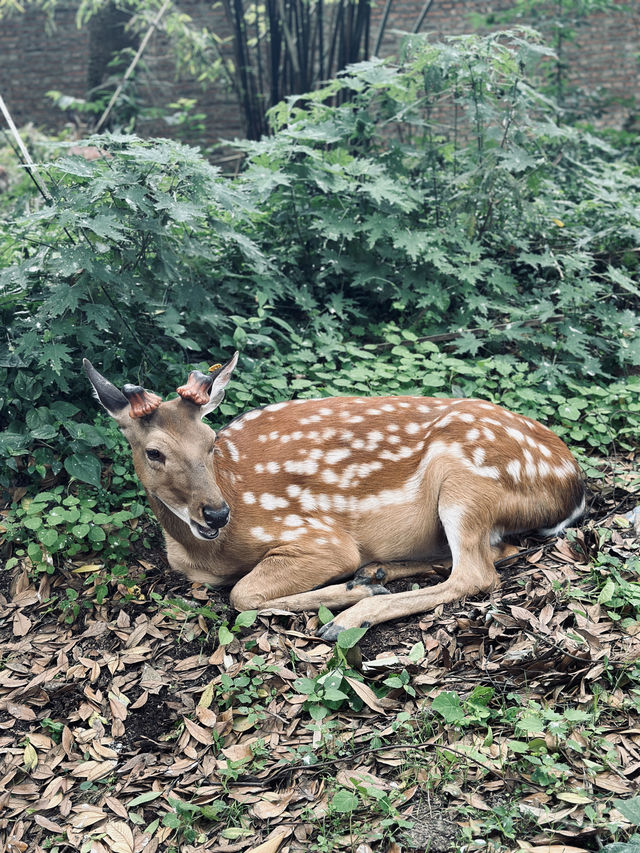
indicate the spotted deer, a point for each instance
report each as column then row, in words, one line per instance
column 287, row 501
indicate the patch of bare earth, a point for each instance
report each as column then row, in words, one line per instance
column 108, row 722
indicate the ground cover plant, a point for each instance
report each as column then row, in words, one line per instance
column 440, row 233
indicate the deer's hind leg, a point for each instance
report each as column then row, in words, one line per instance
column 472, row 572
column 293, row 577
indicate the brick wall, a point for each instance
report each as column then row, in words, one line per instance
column 32, row 61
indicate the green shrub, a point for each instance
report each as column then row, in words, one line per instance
column 442, row 199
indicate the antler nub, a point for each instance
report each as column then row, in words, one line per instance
column 198, row 388
column 142, row 402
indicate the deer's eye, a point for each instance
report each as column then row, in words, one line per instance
column 154, row 455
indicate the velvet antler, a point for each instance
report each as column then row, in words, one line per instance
column 142, row 402
column 198, row 388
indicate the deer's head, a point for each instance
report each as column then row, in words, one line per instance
column 172, row 449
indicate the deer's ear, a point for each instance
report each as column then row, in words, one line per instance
column 220, row 381
column 113, row 400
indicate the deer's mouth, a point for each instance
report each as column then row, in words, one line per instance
column 205, row 532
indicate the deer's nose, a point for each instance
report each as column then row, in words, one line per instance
column 215, row 518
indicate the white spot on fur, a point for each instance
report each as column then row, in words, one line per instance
column 304, row 466
column 329, row 476
column 271, row 502
column 308, row 501
column 515, row 433
column 479, row 456
column 444, row 421
column 373, row 412
column 412, row 428
column 249, row 498
column 275, row 407
column 319, row 525
column 290, row 535
column 473, row 434
column 357, row 419
column 530, row 466
column 402, row 453
column 544, row 469
column 404, row 405
column 388, row 408
column 424, row 409
column 259, row 468
column 293, row 520
column 340, row 503
column 332, row 457
column 393, row 427
column 260, row 534
column 544, row 450
column 513, row 469
column 488, row 434
column 293, row 490
column 273, row 467
column 467, row 417
column 233, row 450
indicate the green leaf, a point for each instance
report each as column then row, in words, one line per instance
column 344, row 801
column 630, row 809
column 305, row 685
column 447, row 704
column 144, row 798
column 607, row 592
column 417, row 652
column 85, row 467
column 324, row 615
column 348, row 638
column 224, row 635
column 48, row 537
column 245, row 619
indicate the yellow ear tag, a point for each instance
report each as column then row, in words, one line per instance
column 214, row 367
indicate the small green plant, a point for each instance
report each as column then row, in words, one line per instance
column 54, row 526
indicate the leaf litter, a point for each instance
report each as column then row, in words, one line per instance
column 142, row 726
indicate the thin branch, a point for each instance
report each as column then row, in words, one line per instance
column 30, row 166
column 132, row 65
column 451, row 336
column 422, row 16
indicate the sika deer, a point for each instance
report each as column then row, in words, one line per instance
column 299, row 494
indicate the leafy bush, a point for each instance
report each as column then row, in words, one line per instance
column 442, row 199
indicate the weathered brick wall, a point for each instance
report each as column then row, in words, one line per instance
column 32, row 61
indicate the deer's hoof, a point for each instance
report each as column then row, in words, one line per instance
column 330, row 631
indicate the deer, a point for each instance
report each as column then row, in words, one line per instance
column 312, row 502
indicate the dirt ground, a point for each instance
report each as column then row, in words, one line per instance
column 107, row 722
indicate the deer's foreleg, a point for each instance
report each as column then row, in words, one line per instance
column 292, row 577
